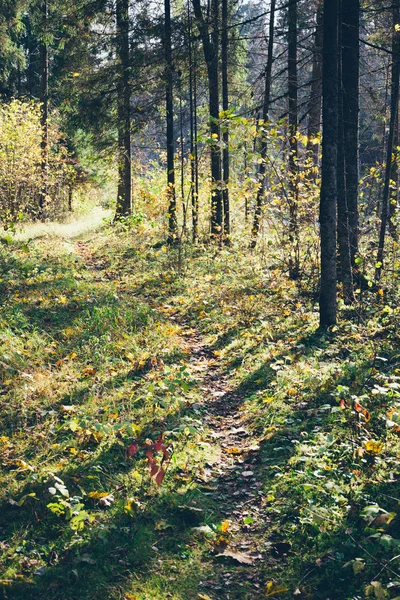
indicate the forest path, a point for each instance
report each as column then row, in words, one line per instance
column 77, row 226
column 230, row 481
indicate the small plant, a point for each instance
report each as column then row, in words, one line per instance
column 69, row 507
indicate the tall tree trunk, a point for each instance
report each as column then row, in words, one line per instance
column 394, row 187
column 394, row 104
column 343, row 231
column 225, row 108
column 328, row 197
column 44, row 108
column 172, row 217
column 293, row 149
column 350, row 88
column 315, row 102
column 182, row 148
column 196, row 147
column 264, row 139
column 210, row 47
column 192, row 101
column 124, row 194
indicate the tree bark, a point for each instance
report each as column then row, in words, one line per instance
column 264, row 139
column 169, row 69
column 394, row 177
column 44, row 108
column 315, row 102
column 124, row 194
column 210, row 47
column 394, row 103
column 225, row 108
column 193, row 127
column 328, row 197
column 350, row 90
column 293, row 146
column 343, row 230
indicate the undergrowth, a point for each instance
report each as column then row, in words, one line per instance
column 103, row 435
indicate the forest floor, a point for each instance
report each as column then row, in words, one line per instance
column 173, row 426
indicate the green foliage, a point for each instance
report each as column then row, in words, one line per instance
column 21, row 172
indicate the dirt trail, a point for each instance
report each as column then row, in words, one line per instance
column 232, row 479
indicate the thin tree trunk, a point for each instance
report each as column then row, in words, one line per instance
column 264, row 139
column 124, row 193
column 394, row 187
column 172, row 217
column 328, row 197
column 196, row 148
column 192, row 100
column 293, row 146
column 44, row 108
column 182, row 148
column 394, row 104
column 343, row 232
column 210, row 47
column 350, row 82
column 225, row 108
column 315, row 103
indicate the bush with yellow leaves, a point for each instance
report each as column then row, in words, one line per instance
column 21, row 172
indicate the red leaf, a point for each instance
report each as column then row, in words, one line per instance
column 154, row 469
column 342, row 404
column 357, row 406
column 160, row 477
column 159, row 446
column 132, row 449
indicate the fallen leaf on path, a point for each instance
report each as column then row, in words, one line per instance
column 89, row 371
column 240, row 557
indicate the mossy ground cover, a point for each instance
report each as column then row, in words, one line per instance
column 129, row 371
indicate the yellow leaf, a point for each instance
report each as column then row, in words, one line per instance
column 268, row 399
column 97, row 495
column 204, row 597
column 130, row 506
column 233, row 450
column 89, row 371
column 373, row 447
column 273, row 589
column 225, row 526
